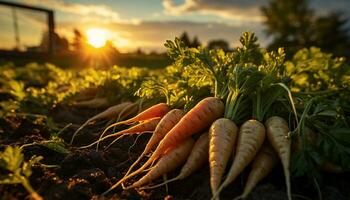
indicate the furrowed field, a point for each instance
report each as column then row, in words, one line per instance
column 247, row 123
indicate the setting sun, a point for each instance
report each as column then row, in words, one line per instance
column 97, row 37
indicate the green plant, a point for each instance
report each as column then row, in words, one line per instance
column 16, row 170
column 55, row 143
column 323, row 135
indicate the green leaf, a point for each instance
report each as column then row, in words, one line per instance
column 328, row 113
column 18, row 171
column 11, row 159
column 57, row 146
column 9, row 179
column 17, row 89
column 300, row 164
column 342, row 135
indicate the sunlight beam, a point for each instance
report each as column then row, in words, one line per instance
column 97, row 37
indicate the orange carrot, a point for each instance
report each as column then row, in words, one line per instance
column 251, row 137
column 164, row 126
column 147, row 126
column 223, row 134
column 196, row 120
column 262, row 165
column 110, row 112
column 277, row 134
column 158, row 110
column 196, row 159
column 124, row 113
column 169, row 162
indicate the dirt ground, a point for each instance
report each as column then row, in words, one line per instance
column 84, row 174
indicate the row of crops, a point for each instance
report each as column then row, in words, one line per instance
column 250, row 110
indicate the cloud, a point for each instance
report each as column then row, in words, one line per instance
column 92, row 10
column 241, row 10
column 151, row 35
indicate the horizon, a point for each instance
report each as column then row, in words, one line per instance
column 149, row 23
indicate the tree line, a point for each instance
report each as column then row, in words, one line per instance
column 294, row 25
column 290, row 24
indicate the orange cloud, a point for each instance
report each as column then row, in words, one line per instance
column 151, row 35
column 95, row 10
column 235, row 10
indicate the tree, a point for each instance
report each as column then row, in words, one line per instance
column 330, row 34
column 185, row 39
column 79, row 40
column 110, row 48
column 195, row 43
column 139, row 51
column 293, row 25
column 218, row 44
column 288, row 22
column 60, row 44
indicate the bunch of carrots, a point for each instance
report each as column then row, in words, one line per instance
column 172, row 131
column 247, row 117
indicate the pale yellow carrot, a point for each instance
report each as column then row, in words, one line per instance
column 251, row 137
column 223, row 135
column 277, row 131
column 262, row 165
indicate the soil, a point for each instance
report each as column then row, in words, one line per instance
column 86, row 173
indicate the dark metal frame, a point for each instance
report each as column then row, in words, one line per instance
column 51, row 23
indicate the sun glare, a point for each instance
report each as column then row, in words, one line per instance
column 96, row 37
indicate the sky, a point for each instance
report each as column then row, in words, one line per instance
column 146, row 24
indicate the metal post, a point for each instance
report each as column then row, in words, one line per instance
column 51, row 32
column 50, row 20
column 16, row 29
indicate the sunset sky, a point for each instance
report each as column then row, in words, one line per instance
column 131, row 24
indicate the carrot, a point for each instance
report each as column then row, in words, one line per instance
column 167, row 163
column 110, row 112
column 143, row 127
column 166, row 123
column 196, row 120
column 125, row 112
column 262, row 165
column 93, row 103
column 158, row 110
column 251, row 137
column 277, row 134
column 196, row 159
column 223, row 134
column 35, row 196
